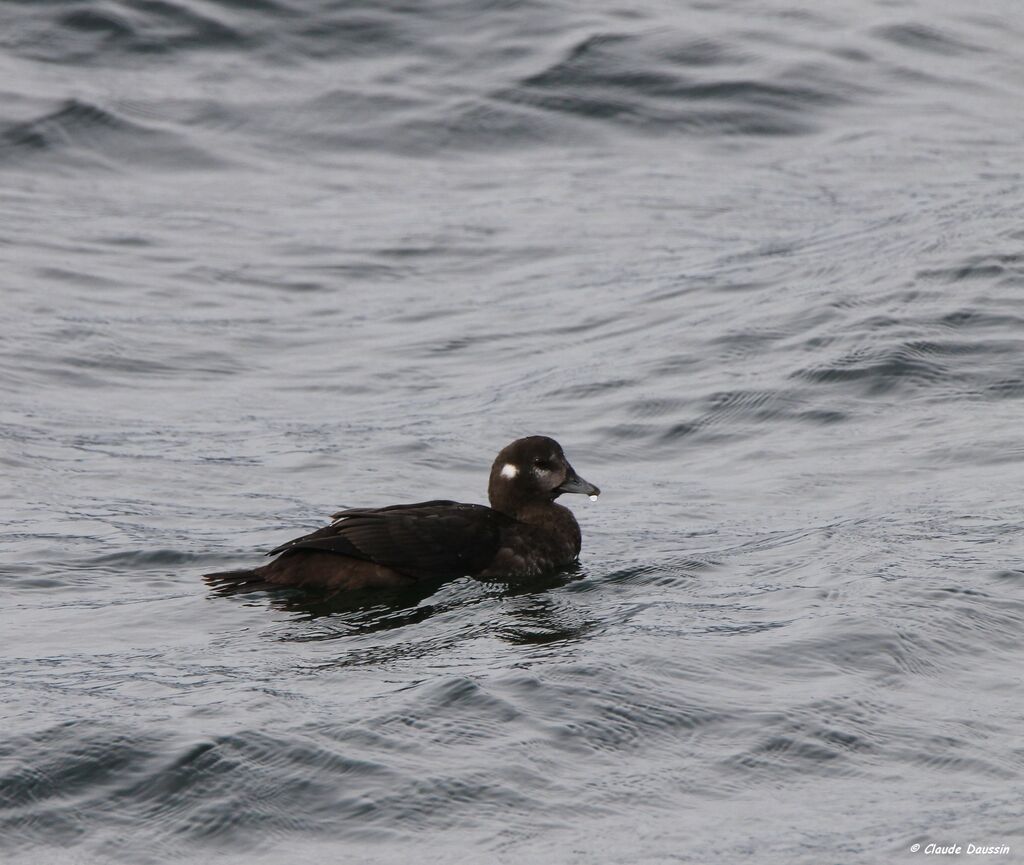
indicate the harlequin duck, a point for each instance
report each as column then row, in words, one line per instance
column 523, row 533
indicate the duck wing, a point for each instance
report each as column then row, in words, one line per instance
column 424, row 540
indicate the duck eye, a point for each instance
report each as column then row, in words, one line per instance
column 542, row 464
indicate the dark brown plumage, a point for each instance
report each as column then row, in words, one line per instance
column 523, row 533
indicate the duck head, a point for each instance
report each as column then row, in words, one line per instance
column 533, row 470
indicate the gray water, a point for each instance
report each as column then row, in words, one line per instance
column 759, row 266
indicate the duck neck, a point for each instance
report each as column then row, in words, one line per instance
column 547, row 514
column 524, row 509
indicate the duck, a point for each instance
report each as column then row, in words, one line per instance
column 523, row 533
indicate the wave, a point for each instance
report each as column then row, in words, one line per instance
column 82, row 134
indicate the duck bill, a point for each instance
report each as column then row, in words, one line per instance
column 575, row 484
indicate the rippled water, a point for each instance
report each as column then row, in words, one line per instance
column 759, row 267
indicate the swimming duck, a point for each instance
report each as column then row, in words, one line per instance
column 523, row 533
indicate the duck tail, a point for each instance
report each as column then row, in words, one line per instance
column 229, row 582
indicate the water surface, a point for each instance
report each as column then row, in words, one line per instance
column 758, row 266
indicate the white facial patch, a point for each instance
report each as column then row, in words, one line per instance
column 509, row 471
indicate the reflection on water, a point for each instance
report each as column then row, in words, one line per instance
column 370, row 610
